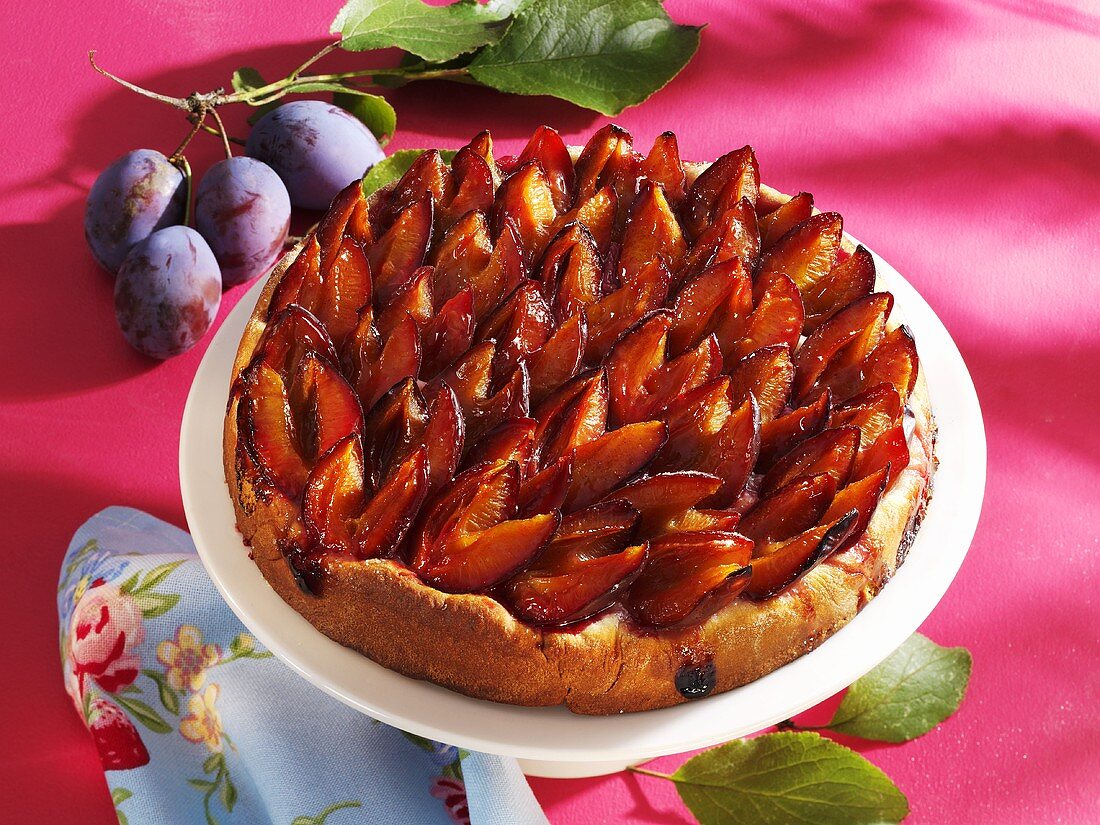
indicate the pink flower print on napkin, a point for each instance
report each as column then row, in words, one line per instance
column 453, row 794
column 105, row 632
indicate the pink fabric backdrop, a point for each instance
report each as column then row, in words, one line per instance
column 961, row 141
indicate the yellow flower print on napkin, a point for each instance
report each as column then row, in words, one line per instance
column 186, row 659
column 203, row 723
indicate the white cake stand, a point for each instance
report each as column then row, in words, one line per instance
column 552, row 741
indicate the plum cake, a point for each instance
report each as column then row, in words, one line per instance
column 582, row 426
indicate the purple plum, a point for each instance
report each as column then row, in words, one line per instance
column 136, row 195
column 315, row 147
column 242, row 209
column 167, row 292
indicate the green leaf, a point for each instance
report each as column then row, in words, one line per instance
column 168, row 697
column 374, row 111
column 144, row 714
column 436, row 33
column 245, row 79
column 213, row 762
column 600, row 54
column 155, row 604
column 781, row 778
column 238, row 646
column 918, row 686
column 324, row 814
column 120, row 795
column 157, row 575
column 228, row 794
column 392, row 168
column 128, row 585
column 201, row 784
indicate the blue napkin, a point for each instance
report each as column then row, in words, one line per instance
column 196, row 722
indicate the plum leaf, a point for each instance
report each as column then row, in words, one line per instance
column 787, row 777
column 246, row 79
column 917, row 686
column 436, row 33
column 594, row 53
column 374, row 111
column 392, row 168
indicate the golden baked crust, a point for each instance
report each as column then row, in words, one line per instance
column 474, row 645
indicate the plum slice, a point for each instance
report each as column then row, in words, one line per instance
column 603, row 463
column 807, row 252
column 789, row 510
column 395, row 256
column 732, row 177
column 663, row 166
column 780, row 435
column 733, row 235
column 559, row 359
column 613, row 314
column 461, row 255
column 335, row 514
column 525, row 201
column 473, row 187
column 447, row 334
column 571, row 271
column 777, row 318
column 688, row 577
column 718, row 300
column 290, row 334
column 831, row 451
column 767, row 374
column 779, row 222
column 548, row 149
column 428, row 177
column 652, row 233
column 846, row 282
column 585, row 567
column 597, row 213
column 663, row 497
column 846, row 336
column 780, row 567
column 266, row 430
column 470, row 539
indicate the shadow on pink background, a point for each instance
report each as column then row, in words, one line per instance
column 961, row 141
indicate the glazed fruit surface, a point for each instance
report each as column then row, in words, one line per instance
column 574, row 385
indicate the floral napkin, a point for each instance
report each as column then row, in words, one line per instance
column 196, row 723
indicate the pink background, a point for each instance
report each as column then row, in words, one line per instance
column 961, row 141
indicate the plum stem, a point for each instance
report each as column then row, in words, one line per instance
column 221, row 131
column 326, row 50
column 206, row 127
column 195, row 102
column 791, row 725
column 199, row 119
column 200, row 104
column 178, row 102
column 645, row 772
column 181, row 163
